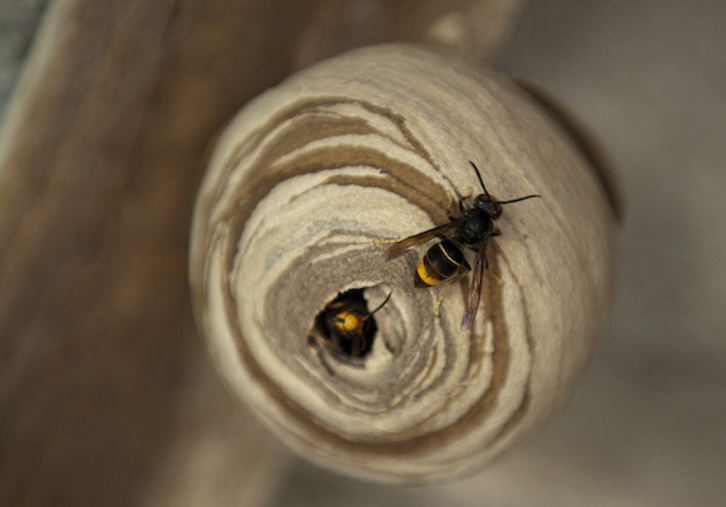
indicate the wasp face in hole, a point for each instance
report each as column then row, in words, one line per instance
column 346, row 326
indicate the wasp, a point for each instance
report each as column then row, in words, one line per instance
column 345, row 325
column 445, row 260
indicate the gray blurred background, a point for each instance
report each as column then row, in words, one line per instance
column 647, row 426
column 18, row 22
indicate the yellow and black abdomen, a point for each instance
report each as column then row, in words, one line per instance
column 439, row 263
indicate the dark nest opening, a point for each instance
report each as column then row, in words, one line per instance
column 346, row 326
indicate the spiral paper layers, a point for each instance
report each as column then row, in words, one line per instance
column 375, row 145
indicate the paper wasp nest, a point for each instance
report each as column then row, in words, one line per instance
column 374, row 145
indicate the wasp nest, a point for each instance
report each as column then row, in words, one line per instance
column 302, row 191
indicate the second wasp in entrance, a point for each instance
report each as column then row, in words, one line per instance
column 346, row 325
column 445, row 261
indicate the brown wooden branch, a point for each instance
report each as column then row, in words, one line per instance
column 106, row 395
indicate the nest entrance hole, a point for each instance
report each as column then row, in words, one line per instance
column 346, row 325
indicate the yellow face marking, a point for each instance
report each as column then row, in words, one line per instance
column 424, row 275
column 346, row 322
